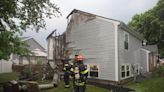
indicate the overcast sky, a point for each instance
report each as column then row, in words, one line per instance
column 122, row 10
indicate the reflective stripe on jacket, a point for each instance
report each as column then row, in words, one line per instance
column 80, row 84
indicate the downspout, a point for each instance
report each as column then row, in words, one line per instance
column 116, row 24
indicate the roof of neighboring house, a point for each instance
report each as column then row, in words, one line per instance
column 25, row 38
column 122, row 24
column 152, row 48
column 38, row 52
column 28, row 38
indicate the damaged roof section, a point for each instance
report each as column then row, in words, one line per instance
column 85, row 16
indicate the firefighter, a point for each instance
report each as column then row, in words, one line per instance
column 80, row 75
column 67, row 72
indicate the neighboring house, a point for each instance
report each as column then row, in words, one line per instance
column 152, row 57
column 112, row 51
column 38, row 56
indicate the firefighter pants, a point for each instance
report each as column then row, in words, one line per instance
column 66, row 80
column 79, row 88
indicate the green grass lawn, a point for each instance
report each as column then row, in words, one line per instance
column 61, row 88
column 5, row 77
column 152, row 85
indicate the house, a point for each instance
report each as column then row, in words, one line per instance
column 38, row 56
column 112, row 51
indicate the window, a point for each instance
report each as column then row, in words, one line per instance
column 126, row 40
column 125, row 71
column 93, row 71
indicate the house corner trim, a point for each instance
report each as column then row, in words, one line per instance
column 116, row 52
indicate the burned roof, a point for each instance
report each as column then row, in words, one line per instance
column 122, row 24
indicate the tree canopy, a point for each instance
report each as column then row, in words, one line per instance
column 151, row 25
column 17, row 16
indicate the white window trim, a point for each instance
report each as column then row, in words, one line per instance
column 88, row 68
column 122, row 71
column 116, row 51
column 130, row 75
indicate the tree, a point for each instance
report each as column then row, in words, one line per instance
column 17, row 16
column 151, row 25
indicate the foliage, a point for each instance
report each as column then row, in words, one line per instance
column 17, row 16
column 25, row 74
column 158, row 72
column 11, row 44
column 49, row 75
column 151, row 25
column 39, row 62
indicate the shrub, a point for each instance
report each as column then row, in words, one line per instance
column 158, row 72
column 39, row 62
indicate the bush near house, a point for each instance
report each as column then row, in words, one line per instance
column 158, row 72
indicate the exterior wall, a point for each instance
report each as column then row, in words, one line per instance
column 25, row 60
column 152, row 61
column 5, row 66
column 130, row 56
column 50, row 48
column 144, row 61
column 94, row 39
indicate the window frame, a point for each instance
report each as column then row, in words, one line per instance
column 126, row 40
column 125, row 70
column 89, row 70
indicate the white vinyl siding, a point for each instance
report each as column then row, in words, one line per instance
column 50, row 48
column 95, row 40
column 132, row 55
column 144, row 61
